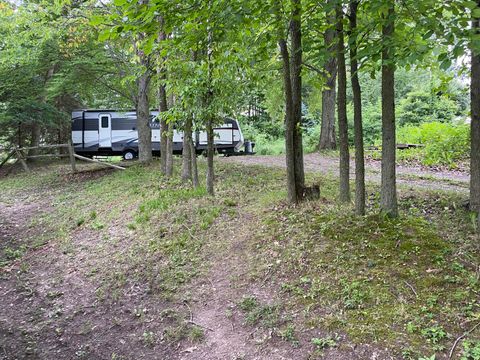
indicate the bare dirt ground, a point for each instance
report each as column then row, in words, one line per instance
column 413, row 176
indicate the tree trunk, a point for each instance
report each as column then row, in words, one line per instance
column 19, row 135
column 327, row 130
column 357, row 114
column 186, row 151
column 163, row 107
column 210, row 135
column 475, row 124
column 169, row 170
column 292, row 84
column 193, row 153
column 210, row 153
column 289, row 125
column 342, row 112
column 388, row 198
column 36, row 135
column 169, row 148
column 143, row 119
column 162, row 102
column 296, row 74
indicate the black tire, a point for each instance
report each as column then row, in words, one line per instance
column 129, row 155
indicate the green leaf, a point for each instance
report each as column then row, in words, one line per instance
column 96, row 20
column 120, row 2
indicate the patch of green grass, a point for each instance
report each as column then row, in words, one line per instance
column 373, row 278
column 259, row 314
column 324, row 343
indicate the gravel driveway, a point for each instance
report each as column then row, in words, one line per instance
column 412, row 176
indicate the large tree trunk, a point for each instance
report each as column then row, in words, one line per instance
column 357, row 114
column 388, row 198
column 327, row 130
column 342, row 112
column 143, row 119
column 475, row 124
column 296, row 73
column 186, row 150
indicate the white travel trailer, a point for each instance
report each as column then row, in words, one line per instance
column 111, row 132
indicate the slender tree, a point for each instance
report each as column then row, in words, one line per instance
column 327, row 129
column 357, row 112
column 193, row 154
column 170, row 129
column 475, row 117
column 292, row 88
column 162, row 98
column 296, row 83
column 342, row 110
column 388, row 201
column 210, row 119
column 186, row 150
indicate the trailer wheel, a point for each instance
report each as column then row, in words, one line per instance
column 129, row 155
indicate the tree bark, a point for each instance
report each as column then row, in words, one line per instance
column 186, row 151
column 162, row 102
column 475, row 124
column 142, row 103
column 388, row 196
column 327, row 130
column 357, row 114
column 210, row 154
column 163, row 107
column 36, row 134
column 342, row 111
column 289, row 125
column 143, row 118
column 296, row 73
column 210, row 120
column 193, row 153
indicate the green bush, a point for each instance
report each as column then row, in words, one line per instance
column 311, row 138
column 444, row 143
column 421, row 106
column 265, row 145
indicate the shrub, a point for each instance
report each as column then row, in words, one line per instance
column 444, row 143
column 421, row 106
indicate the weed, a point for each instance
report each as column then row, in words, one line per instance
column 325, row 342
column 471, row 350
column 288, row 334
column 256, row 313
column 149, row 338
column 434, row 334
column 353, row 294
column 196, row 334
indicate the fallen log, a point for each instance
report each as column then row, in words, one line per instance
column 98, row 162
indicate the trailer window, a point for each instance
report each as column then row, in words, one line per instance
column 104, row 121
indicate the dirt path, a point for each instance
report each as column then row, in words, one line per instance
column 414, row 176
column 218, row 295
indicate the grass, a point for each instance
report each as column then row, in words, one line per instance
column 410, row 284
column 405, row 283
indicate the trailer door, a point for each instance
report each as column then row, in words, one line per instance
column 104, row 131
